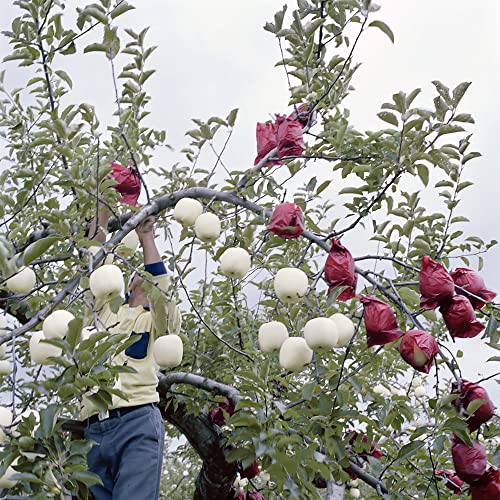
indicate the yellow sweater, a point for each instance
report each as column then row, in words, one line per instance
column 140, row 387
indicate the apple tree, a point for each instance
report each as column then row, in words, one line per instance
column 307, row 369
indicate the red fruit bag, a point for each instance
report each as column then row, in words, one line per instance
column 487, row 487
column 380, row 321
column 460, row 318
column 436, row 284
column 289, row 137
column 254, row 495
column 468, row 393
column 452, row 481
column 266, row 141
column 419, row 348
column 129, row 183
column 470, row 463
column 473, row 283
column 287, row 221
column 217, row 415
column 251, row 471
column 339, row 271
column 374, row 450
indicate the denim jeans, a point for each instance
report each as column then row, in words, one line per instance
column 128, row 455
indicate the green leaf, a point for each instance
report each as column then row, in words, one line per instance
column 459, row 92
column 38, row 248
column 381, row 25
column 388, row 117
column 231, row 117
column 423, row 173
column 95, row 47
column 121, row 9
column 48, row 420
column 409, row 449
column 474, row 405
column 75, row 330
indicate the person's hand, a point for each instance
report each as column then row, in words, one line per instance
column 146, row 227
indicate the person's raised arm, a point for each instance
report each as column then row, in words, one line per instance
column 99, row 222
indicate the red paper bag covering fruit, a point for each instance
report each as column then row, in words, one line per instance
column 487, row 487
column 266, row 141
column 374, row 451
column 468, row 393
column 301, row 114
column 254, row 495
column 339, row 270
column 460, row 318
column 436, row 284
column 380, row 321
column 470, row 463
column 418, row 348
column 452, row 481
column 473, row 283
column 241, row 494
column 251, row 471
column 319, row 482
column 287, row 221
column 217, row 414
column 289, row 137
column 129, row 183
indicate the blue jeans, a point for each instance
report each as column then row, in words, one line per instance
column 128, row 455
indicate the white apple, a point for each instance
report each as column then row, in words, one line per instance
column 272, row 335
column 207, row 227
column 56, row 324
column 235, row 263
column 265, row 477
column 345, row 329
column 382, row 390
column 41, row 351
column 295, row 354
column 6, row 480
column 187, row 210
column 106, row 280
column 5, row 421
column 420, row 391
column 419, row 358
column 355, row 483
column 355, row 493
column 168, row 351
column 87, row 332
column 5, row 367
column 320, row 334
column 128, row 245
column 23, row 281
column 290, row 284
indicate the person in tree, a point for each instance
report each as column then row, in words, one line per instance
column 130, row 435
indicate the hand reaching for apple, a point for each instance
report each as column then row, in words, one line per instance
column 146, row 227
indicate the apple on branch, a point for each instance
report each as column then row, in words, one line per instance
column 207, row 227
column 187, row 210
column 290, row 284
column 56, row 324
column 345, row 329
column 41, row 351
column 235, row 263
column 321, row 334
column 23, row 281
column 295, row 354
column 272, row 335
column 106, row 280
column 168, row 351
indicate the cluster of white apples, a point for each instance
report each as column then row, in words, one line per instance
column 189, row 212
column 5, row 364
column 55, row 326
column 320, row 334
column 23, row 281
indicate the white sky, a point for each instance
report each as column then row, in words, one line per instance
column 214, row 56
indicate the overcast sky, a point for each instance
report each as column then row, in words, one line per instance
column 214, row 56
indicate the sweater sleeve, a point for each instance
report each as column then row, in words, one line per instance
column 165, row 315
